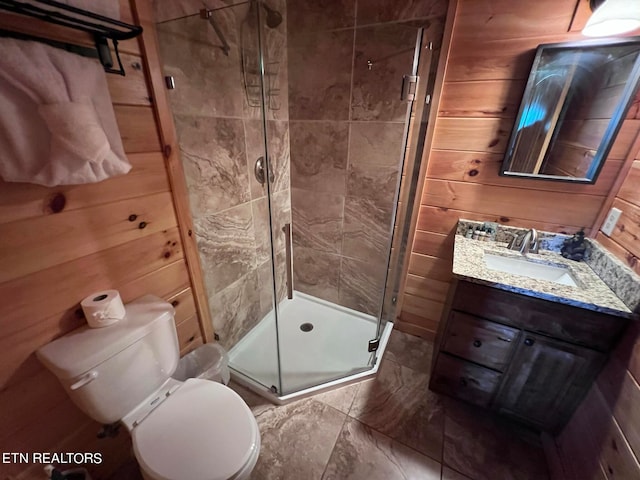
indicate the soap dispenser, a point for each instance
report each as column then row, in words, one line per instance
column 575, row 247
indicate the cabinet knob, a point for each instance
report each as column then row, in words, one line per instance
column 463, row 381
column 477, row 343
column 529, row 341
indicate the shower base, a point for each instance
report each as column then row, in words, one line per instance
column 322, row 346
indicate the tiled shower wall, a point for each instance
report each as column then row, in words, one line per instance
column 346, row 62
column 220, row 137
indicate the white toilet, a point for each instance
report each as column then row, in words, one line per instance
column 192, row 430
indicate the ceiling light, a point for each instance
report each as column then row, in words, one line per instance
column 613, row 17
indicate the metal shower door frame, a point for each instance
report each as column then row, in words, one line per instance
column 418, row 95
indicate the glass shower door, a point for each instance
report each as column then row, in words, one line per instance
column 293, row 137
column 348, row 131
column 222, row 144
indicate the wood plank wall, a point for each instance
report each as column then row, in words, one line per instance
column 492, row 49
column 57, row 245
column 624, row 241
column 602, row 440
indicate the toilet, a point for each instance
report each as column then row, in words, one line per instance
column 192, row 430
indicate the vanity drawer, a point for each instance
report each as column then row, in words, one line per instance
column 464, row 380
column 487, row 343
column 573, row 324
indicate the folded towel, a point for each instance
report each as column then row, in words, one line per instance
column 57, row 125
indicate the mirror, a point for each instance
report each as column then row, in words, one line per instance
column 576, row 102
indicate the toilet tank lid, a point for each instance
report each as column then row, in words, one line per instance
column 85, row 348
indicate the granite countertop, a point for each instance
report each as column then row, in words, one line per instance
column 591, row 293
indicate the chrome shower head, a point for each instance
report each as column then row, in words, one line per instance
column 274, row 17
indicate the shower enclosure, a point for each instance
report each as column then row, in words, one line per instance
column 295, row 123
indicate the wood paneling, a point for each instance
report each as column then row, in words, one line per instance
column 444, row 220
column 416, row 286
column 59, row 244
column 578, row 210
column 29, row 322
column 505, row 19
column 483, row 168
column 130, row 89
column 24, row 200
column 627, row 230
column 480, row 58
column 72, row 234
column 592, row 445
column 168, row 138
column 492, row 48
column 189, row 336
column 472, row 134
column 491, row 98
column 138, row 128
column 630, row 189
column 622, row 395
column 604, row 435
column 433, row 244
column 430, row 267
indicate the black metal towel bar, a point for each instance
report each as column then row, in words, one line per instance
column 100, row 27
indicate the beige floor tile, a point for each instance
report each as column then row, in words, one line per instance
column 410, row 351
column 364, row 454
column 484, row 446
column 297, row 440
column 340, row 398
column 399, row 404
column 450, row 474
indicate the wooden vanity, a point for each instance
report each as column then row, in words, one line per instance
column 524, row 357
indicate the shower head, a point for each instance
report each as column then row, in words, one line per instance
column 274, row 17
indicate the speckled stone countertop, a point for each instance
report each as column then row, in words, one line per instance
column 592, row 292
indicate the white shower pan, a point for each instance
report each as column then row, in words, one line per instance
column 333, row 353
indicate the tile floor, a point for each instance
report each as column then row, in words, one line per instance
column 391, row 427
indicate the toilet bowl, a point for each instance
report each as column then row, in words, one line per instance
column 192, row 430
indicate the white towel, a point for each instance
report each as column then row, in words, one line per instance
column 57, row 125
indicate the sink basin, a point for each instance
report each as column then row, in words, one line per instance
column 526, row 268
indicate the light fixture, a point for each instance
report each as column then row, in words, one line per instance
column 612, row 17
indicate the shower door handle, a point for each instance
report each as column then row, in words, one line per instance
column 259, row 171
column 287, row 243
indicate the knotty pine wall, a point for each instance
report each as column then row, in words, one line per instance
column 602, row 440
column 58, row 245
column 492, row 49
column 624, row 241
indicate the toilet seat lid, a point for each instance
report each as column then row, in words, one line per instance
column 203, row 431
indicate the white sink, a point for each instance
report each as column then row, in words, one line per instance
column 526, row 268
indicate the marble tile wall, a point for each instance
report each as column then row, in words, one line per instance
column 346, row 62
column 221, row 135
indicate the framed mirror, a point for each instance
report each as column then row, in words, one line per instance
column 576, row 102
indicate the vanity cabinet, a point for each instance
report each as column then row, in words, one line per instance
column 547, row 379
column 524, row 357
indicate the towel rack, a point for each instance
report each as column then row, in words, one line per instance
column 101, row 28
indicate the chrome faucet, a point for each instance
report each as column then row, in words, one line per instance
column 528, row 243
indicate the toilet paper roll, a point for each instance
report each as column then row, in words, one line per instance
column 103, row 308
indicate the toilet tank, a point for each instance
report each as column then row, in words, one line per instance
column 108, row 371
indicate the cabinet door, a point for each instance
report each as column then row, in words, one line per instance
column 546, row 380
